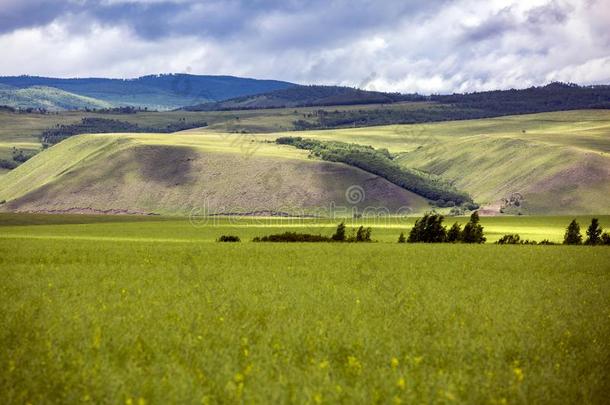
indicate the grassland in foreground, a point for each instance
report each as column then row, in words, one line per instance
column 155, row 312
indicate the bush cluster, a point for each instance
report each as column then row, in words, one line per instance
column 515, row 239
column 229, row 238
column 292, row 237
column 430, row 229
column 362, row 234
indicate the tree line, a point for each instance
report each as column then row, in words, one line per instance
column 380, row 162
column 595, row 234
column 430, row 229
column 91, row 125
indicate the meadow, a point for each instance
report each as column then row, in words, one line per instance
column 147, row 310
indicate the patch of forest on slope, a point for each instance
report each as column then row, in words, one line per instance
column 380, row 162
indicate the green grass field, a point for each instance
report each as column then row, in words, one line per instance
column 151, row 310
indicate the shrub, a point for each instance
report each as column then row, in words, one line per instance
column 509, row 240
column 401, row 238
column 529, row 242
column 594, row 233
column 606, row 238
column 470, row 206
column 546, row 242
column 292, row 237
column 339, row 235
column 572, row 235
column 229, row 238
column 8, row 164
column 361, row 235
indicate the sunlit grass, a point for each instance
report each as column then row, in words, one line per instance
column 86, row 319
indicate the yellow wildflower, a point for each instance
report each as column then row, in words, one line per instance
column 401, row 383
column 518, row 373
column 354, row 364
column 324, row 364
column 394, row 362
column 317, row 398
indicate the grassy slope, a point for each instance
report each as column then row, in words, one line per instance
column 282, row 323
column 558, row 161
column 49, row 98
column 174, row 174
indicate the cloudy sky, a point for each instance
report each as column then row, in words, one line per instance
column 427, row 46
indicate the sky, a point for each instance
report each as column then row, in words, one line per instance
column 429, row 46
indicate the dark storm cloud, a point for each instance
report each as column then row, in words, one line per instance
column 289, row 23
column 494, row 26
column 506, row 20
column 15, row 14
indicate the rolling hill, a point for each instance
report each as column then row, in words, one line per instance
column 305, row 96
column 551, row 163
column 183, row 173
column 47, row 98
column 163, row 92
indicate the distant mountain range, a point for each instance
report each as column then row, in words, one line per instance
column 217, row 93
column 162, row 92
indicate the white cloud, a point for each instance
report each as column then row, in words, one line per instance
column 465, row 45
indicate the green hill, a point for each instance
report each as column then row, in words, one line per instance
column 179, row 173
column 550, row 163
column 305, row 96
column 48, row 98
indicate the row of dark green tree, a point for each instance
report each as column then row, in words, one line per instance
column 91, row 125
column 595, row 234
column 381, row 163
column 552, row 97
column 430, row 229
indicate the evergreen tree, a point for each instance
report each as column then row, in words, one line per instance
column 572, row 235
column 339, row 235
column 473, row 231
column 594, row 233
column 363, row 234
column 454, row 233
column 401, row 238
